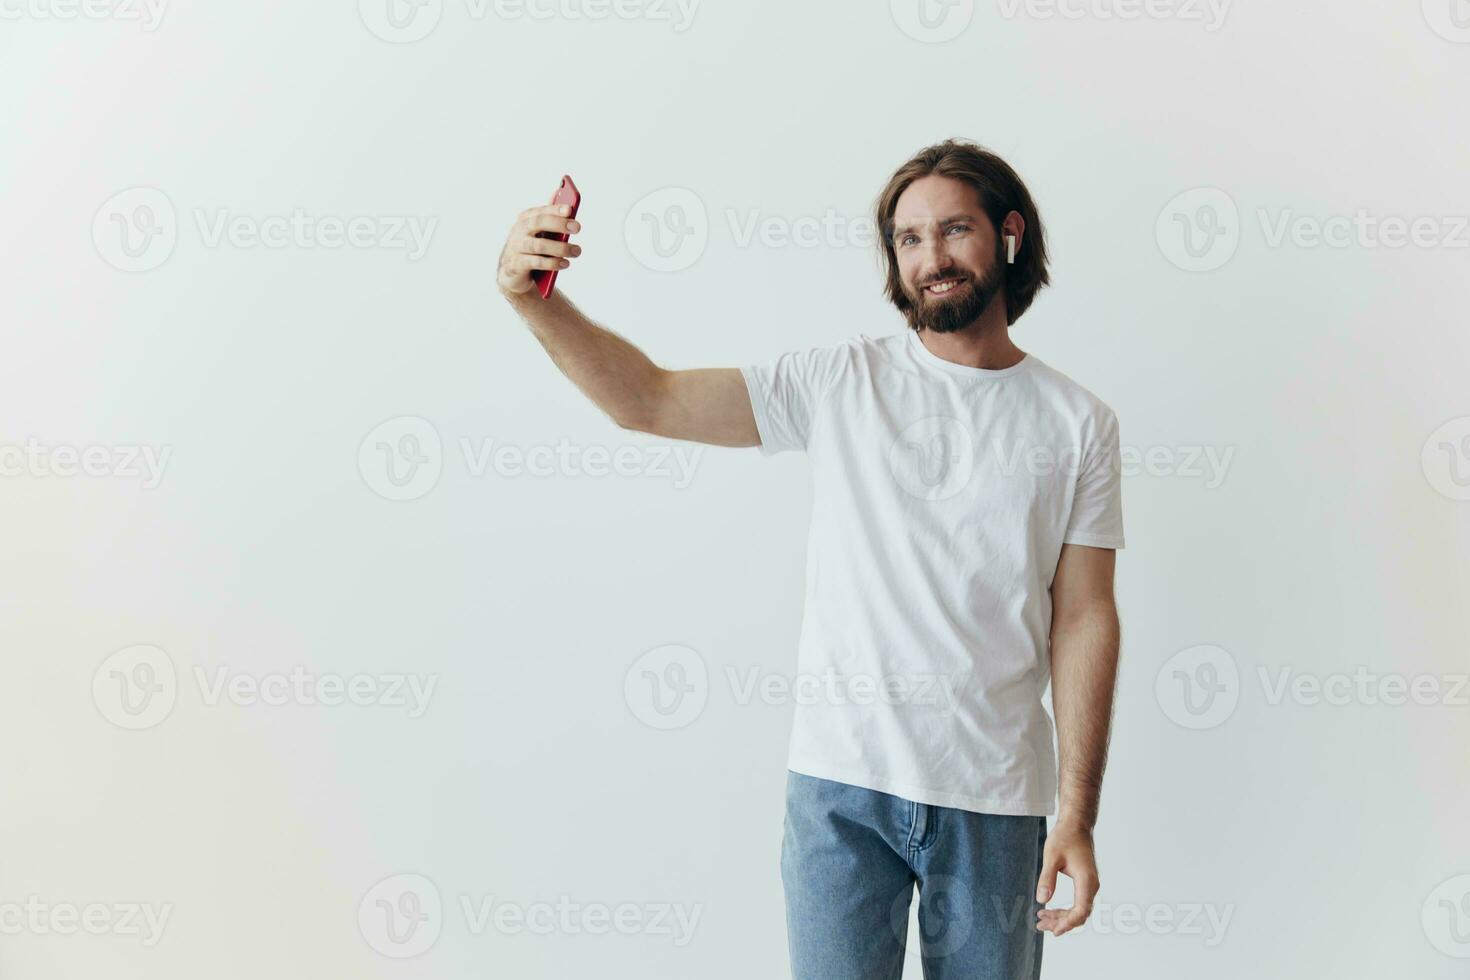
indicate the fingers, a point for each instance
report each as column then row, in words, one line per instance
column 526, row 251
column 549, row 218
column 531, row 245
column 515, row 273
column 1046, row 885
column 1081, row 906
column 1049, row 920
column 1059, row 922
column 525, row 262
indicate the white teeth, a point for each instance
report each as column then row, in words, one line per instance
column 944, row 287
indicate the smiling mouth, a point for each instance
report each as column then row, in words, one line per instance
column 942, row 286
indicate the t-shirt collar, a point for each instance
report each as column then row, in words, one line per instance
column 927, row 356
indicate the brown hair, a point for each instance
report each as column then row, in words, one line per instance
column 1000, row 191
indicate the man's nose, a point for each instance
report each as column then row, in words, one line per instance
column 938, row 257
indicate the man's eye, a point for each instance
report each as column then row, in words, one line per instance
column 906, row 239
column 959, row 227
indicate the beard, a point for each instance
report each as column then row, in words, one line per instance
column 958, row 308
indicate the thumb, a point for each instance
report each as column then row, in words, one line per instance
column 1047, row 884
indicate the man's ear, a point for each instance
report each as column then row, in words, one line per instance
column 1013, row 233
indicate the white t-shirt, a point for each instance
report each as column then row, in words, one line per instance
column 942, row 497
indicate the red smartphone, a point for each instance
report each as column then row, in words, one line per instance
column 567, row 194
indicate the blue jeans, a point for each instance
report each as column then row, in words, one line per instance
column 850, row 858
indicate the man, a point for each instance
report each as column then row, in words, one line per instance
column 961, row 555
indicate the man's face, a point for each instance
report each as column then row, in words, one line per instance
column 942, row 238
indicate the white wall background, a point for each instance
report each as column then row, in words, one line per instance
column 1289, row 836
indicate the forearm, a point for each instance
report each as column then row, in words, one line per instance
column 1084, row 665
column 618, row 377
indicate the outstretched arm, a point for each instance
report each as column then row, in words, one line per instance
column 1084, row 667
column 708, row 405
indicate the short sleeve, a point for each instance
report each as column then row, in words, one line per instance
column 1097, row 505
column 785, row 393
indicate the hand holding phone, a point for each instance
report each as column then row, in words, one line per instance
column 566, row 195
column 537, row 247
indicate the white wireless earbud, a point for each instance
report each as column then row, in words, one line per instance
column 1010, row 249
